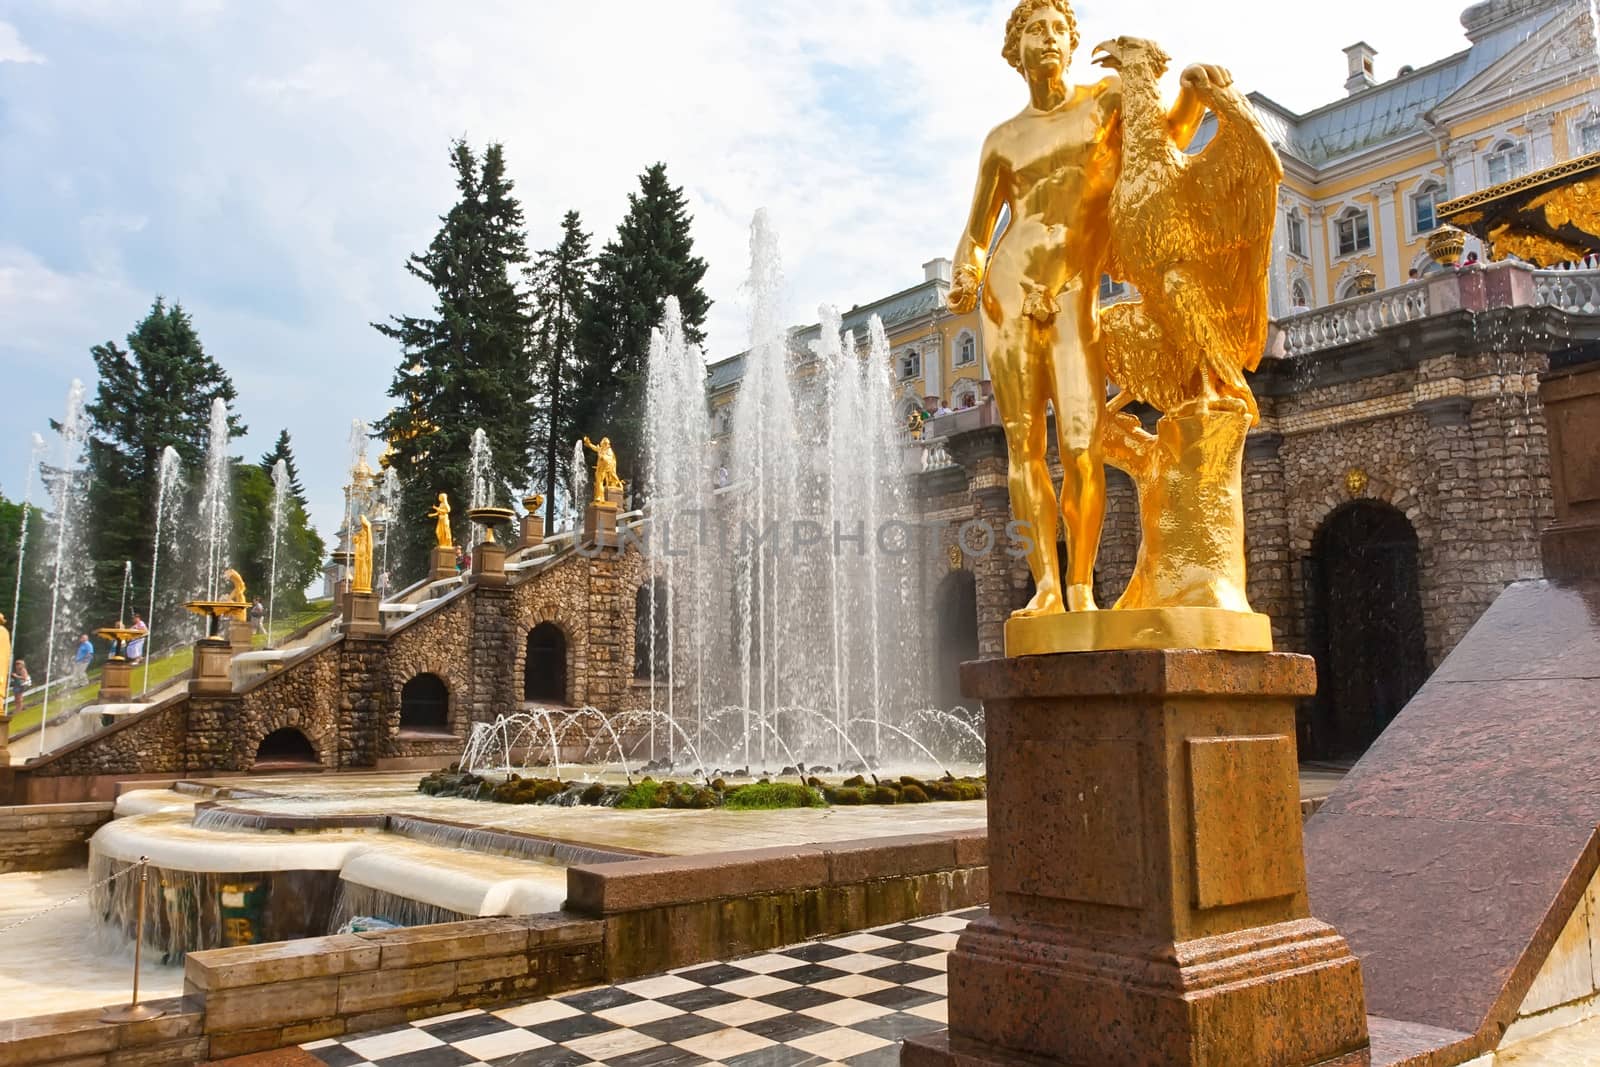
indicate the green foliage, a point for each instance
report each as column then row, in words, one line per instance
column 29, row 644
column 300, row 549
column 282, row 449
column 761, row 796
column 466, row 365
column 155, row 393
column 651, row 258
column 560, row 279
column 644, row 794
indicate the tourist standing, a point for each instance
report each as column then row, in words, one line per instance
column 80, row 660
column 19, row 682
column 257, row 616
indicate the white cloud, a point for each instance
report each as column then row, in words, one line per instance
column 12, row 50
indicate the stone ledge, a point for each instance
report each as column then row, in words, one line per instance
column 279, row 961
column 80, row 1036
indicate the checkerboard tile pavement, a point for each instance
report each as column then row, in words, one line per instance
column 843, row 1000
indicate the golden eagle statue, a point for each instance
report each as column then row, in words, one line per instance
column 1193, row 233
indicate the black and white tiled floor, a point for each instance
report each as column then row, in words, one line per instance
column 845, row 1000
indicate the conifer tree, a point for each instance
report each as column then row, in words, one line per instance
column 560, row 278
column 651, row 258
column 466, row 365
column 155, row 393
column 284, row 450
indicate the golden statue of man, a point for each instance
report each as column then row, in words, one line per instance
column 1053, row 165
column 361, row 558
column 441, row 527
column 605, row 467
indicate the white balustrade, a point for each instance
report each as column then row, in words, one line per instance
column 1354, row 319
column 1576, row 291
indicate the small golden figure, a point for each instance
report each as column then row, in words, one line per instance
column 361, row 561
column 236, row 593
column 605, row 468
column 441, row 528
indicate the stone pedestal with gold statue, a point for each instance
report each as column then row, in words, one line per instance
column 600, row 525
column 361, row 614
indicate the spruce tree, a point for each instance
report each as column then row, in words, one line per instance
column 155, row 393
column 283, row 450
column 300, row 549
column 465, row 366
column 651, row 258
column 560, row 279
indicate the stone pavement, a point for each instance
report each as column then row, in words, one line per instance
column 841, row 1000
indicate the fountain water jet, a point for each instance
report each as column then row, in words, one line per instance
column 280, row 489
column 36, row 453
column 215, row 514
column 169, row 485
column 66, row 507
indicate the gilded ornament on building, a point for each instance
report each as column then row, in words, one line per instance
column 1548, row 217
column 1355, row 481
column 956, row 557
column 1097, row 179
column 1445, row 245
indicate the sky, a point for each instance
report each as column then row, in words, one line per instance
column 271, row 164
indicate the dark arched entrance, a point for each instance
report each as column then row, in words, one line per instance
column 1364, row 625
column 425, row 704
column 544, row 674
column 956, row 640
column 287, row 747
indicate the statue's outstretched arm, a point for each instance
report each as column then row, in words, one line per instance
column 1187, row 111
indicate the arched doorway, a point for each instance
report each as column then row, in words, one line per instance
column 956, row 634
column 544, row 672
column 287, row 747
column 1365, row 626
column 650, row 630
column 425, row 704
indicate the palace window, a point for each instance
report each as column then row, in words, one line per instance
column 910, row 364
column 1508, row 160
column 1589, row 137
column 1424, row 206
column 1354, row 229
column 1301, row 297
column 966, row 350
column 1295, row 226
column 1110, row 288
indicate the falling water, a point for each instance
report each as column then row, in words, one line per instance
column 812, row 545
column 64, row 571
column 580, row 482
column 215, row 513
column 169, row 486
column 389, row 500
column 679, row 494
column 35, row 454
column 480, row 468
column 280, row 490
column 357, row 449
column 127, row 580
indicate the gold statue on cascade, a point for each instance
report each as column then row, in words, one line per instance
column 605, row 468
column 1096, row 179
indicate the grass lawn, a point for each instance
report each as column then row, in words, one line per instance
column 163, row 668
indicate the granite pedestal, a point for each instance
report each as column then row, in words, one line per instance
column 361, row 614
column 600, row 525
column 116, row 681
column 489, row 564
column 441, row 563
column 211, row 658
column 1147, row 885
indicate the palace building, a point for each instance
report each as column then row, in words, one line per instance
column 1399, row 477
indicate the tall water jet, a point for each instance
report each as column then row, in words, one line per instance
column 280, row 491
column 36, row 453
column 169, row 487
column 480, row 469
column 677, row 439
column 64, row 569
column 389, row 501
column 580, row 483
column 215, row 513
column 127, row 580
column 356, row 493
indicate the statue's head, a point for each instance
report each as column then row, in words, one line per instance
column 442, row 499
column 1041, row 36
column 605, row 442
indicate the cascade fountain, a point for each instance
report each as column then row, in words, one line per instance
column 36, row 453
column 580, row 484
column 66, row 568
column 821, row 540
column 169, row 488
column 215, row 513
column 480, row 471
column 389, row 502
column 280, row 489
